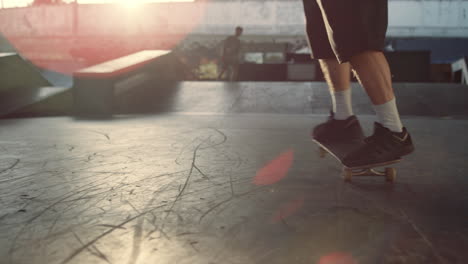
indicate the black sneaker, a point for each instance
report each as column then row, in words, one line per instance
column 383, row 146
column 338, row 130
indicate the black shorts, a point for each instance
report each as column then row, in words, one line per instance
column 343, row 28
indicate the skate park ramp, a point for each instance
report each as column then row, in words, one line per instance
column 57, row 79
column 23, row 84
column 5, row 45
column 18, row 73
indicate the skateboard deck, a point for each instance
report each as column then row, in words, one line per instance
column 340, row 149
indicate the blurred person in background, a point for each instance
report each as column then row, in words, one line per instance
column 230, row 56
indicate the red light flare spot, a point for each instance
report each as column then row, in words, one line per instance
column 337, row 258
column 288, row 209
column 275, row 170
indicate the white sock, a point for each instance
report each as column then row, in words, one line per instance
column 387, row 115
column 342, row 106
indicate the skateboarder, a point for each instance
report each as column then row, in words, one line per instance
column 230, row 56
column 349, row 35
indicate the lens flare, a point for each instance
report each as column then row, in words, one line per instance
column 131, row 4
column 288, row 209
column 337, row 258
column 275, row 170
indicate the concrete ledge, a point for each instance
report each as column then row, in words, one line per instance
column 96, row 87
column 121, row 65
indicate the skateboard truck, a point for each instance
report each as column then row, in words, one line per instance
column 388, row 172
column 370, row 170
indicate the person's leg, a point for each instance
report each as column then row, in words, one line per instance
column 341, row 124
column 373, row 72
column 356, row 30
column 223, row 69
column 235, row 72
column 229, row 72
column 337, row 77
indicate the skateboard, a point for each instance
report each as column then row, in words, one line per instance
column 340, row 149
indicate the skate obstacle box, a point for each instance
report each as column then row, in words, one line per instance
column 96, row 88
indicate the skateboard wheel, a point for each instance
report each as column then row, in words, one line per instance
column 322, row 152
column 390, row 174
column 347, row 174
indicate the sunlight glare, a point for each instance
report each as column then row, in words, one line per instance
column 129, row 3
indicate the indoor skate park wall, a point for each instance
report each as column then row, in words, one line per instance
column 414, row 18
column 59, row 33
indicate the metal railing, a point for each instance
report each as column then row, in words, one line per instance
column 460, row 70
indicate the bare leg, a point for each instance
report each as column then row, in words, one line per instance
column 228, row 73
column 338, row 79
column 235, row 72
column 223, row 70
column 220, row 75
column 337, row 75
column 342, row 125
column 373, row 73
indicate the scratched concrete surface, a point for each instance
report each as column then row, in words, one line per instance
column 227, row 188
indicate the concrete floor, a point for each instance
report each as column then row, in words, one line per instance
column 414, row 99
column 226, row 173
column 223, row 188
